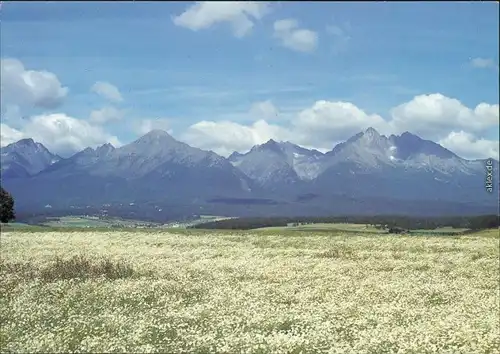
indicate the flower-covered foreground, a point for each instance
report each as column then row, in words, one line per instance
column 248, row 293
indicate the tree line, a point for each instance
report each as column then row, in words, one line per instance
column 380, row 221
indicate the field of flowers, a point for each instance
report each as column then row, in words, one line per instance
column 244, row 292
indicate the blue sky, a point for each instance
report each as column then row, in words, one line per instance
column 375, row 56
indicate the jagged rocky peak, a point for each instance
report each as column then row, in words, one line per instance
column 26, row 145
column 85, row 153
column 32, row 149
column 367, row 148
column 408, row 145
column 270, row 145
column 234, row 155
column 155, row 136
column 371, row 132
column 370, row 138
column 105, row 149
column 290, row 145
column 27, row 157
column 296, row 149
column 407, row 136
column 28, row 141
column 155, row 141
column 353, row 138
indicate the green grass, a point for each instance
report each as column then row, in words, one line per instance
column 302, row 231
column 77, row 267
column 353, row 228
column 325, row 227
column 72, row 224
column 442, row 230
column 86, row 222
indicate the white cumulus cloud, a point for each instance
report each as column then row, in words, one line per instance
column 29, row 88
column 9, row 135
column 319, row 127
column 107, row 91
column 225, row 137
column 60, row 133
column 105, row 115
column 466, row 145
column 295, row 38
column 239, row 14
column 327, row 122
column 435, row 115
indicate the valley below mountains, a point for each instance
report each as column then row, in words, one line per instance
column 158, row 177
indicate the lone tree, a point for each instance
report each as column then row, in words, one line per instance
column 6, row 206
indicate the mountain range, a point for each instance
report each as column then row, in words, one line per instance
column 368, row 173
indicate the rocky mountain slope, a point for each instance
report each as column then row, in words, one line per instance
column 25, row 158
column 157, row 168
column 154, row 167
column 368, row 165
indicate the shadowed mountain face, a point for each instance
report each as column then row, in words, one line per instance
column 368, row 168
column 25, row 158
column 276, row 165
column 154, row 167
column 369, row 165
column 405, row 166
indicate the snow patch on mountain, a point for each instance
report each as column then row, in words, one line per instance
column 370, row 151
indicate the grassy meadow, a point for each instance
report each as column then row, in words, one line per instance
column 331, row 227
column 248, row 292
